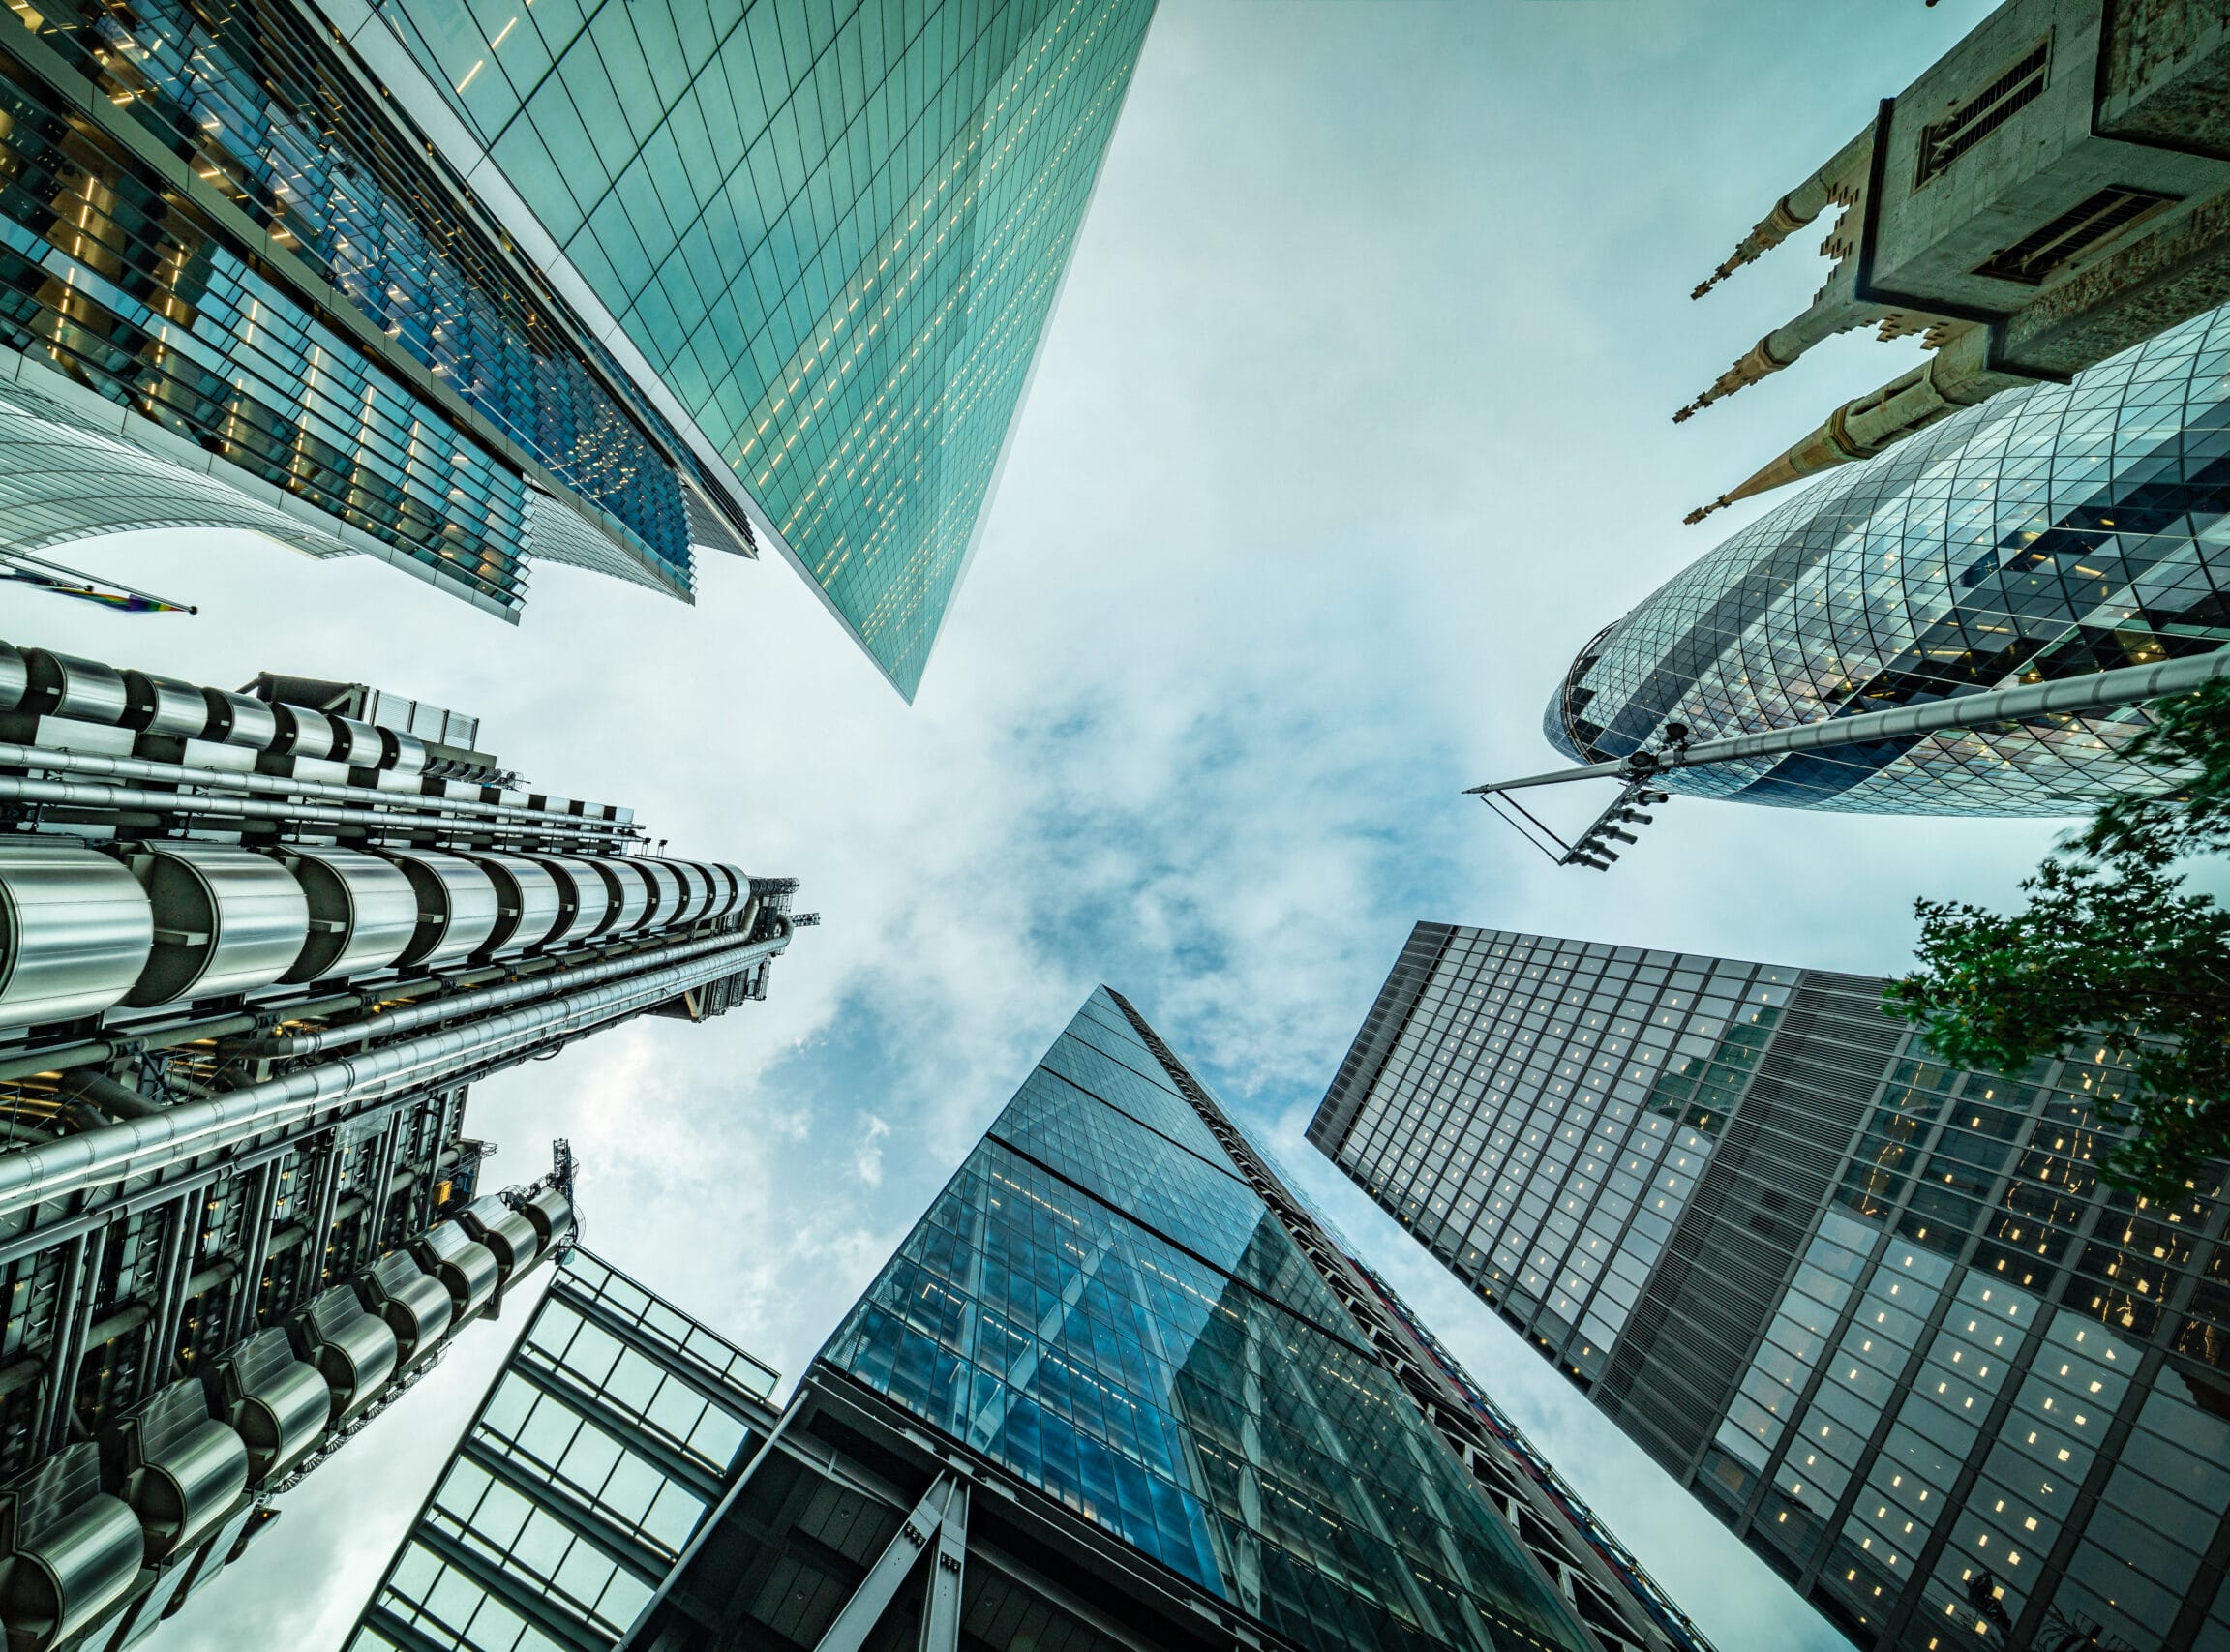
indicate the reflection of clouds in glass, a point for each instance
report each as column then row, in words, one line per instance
column 1133, row 1333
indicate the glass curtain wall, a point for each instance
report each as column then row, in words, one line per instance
column 1099, row 1303
column 2044, row 534
column 1880, row 1314
column 204, row 222
column 834, row 231
column 610, row 1431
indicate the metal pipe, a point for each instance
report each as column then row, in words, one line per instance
column 91, row 794
column 2127, row 686
column 105, row 1094
column 171, row 1299
column 59, row 1058
column 312, row 1277
column 255, row 1235
column 121, row 1150
column 58, row 761
column 76, row 1318
column 379, row 1187
column 450, row 1006
column 130, row 1317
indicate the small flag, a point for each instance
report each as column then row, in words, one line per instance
column 68, row 581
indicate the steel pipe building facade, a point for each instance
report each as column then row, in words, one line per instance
column 254, row 946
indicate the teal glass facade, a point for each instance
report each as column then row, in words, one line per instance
column 833, row 231
column 207, row 222
column 1101, row 1304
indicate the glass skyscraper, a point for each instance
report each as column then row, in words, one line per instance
column 2047, row 532
column 1102, row 1304
column 1116, row 1390
column 1881, row 1316
column 464, row 286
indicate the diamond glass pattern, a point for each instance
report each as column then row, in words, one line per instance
column 2043, row 534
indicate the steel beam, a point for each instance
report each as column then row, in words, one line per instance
column 941, row 1613
column 2130, row 685
column 880, row 1587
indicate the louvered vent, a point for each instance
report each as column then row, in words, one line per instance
column 1982, row 114
column 2035, row 257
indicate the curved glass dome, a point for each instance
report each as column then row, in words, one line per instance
column 2044, row 534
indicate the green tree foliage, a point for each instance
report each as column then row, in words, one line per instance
column 2111, row 949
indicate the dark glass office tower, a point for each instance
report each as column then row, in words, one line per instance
column 1879, row 1315
column 1117, row 1390
column 607, row 284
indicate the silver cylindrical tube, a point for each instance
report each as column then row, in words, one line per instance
column 15, row 677
column 76, row 929
column 225, row 920
column 62, row 686
column 240, row 720
column 476, row 1000
column 115, row 1150
column 164, row 706
column 457, row 907
column 363, row 912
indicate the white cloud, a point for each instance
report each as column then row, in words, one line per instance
column 867, row 1152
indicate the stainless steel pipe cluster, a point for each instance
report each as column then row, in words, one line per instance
column 112, row 1152
column 179, row 1462
column 222, row 747
column 83, row 931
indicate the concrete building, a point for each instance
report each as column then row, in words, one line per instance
column 2053, row 191
column 1118, row 1390
column 606, row 285
column 253, row 947
column 1882, row 1317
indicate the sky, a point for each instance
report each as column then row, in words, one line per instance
column 1352, row 426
